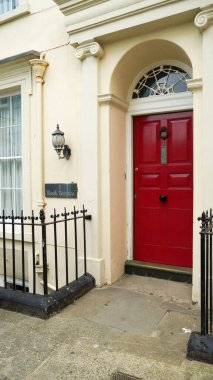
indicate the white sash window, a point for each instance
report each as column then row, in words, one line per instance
column 10, row 154
column 8, row 5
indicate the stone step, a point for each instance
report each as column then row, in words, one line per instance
column 166, row 272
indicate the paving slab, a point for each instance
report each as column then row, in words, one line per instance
column 176, row 327
column 82, row 361
column 133, row 327
column 168, row 290
column 130, row 311
column 151, row 348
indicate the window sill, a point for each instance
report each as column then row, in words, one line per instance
column 18, row 237
column 22, row 10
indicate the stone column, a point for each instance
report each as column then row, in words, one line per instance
column 204, row 21
column 39, row 67
column 89, row 52
column 195, row 85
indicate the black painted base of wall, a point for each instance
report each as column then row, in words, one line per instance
column 200, row 348
column 165, row 272
column 44, row 306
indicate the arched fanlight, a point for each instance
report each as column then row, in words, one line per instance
column 162, row 80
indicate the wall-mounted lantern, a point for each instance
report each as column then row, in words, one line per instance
column 58, row 141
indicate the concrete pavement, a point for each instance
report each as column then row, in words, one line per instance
column 137, row 328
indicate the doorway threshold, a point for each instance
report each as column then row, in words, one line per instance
column 166, row 272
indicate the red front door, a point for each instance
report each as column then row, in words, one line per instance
column 163, row 188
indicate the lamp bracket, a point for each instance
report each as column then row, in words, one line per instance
column 66, row 152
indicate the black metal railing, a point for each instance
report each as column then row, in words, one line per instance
column 206, row 272
column 56, row 241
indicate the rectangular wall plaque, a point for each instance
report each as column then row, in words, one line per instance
column 61, row 190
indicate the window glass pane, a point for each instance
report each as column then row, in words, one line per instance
column 7, row 201
column 18, row 202
column 180, row 87
column 16, row 141
column 16, row 109
column 4, row 112
column 6, row 173
column 18, row 173
column 5, row 142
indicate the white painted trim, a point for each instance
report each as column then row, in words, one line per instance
column 114, row 100
column 111, row 15
column 74, row 6
column 159, row 104
column 148, row 106
column 194, row 84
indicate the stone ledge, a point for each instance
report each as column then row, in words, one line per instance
column 44, row 306
column 200, row 348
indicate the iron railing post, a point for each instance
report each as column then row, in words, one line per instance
column 203, row 273
column 13, row 251
column 65, row 215
column 22, row 252
column 33, row 218
column 55, row 216
column 76, row 242
column 84, row 238
column 210, row 272
column 44, row 249
column 4, row 250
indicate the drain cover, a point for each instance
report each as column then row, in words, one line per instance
column 123, row 376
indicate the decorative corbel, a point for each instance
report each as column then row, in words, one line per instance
column 39, row 67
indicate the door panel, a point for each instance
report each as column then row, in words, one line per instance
column 163, row 188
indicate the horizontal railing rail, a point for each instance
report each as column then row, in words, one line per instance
column 38, row 227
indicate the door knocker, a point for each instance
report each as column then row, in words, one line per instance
column 163, row 134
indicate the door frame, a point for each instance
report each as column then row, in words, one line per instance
column 147, row 106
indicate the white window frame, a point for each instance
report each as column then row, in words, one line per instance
column 10, row 94
column 8, row 5
column 21, row 84
column 23, row 8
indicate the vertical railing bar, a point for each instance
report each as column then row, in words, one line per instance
column 13, row 251
column 33, row 252
column 4, row 250
column 56, row 249
column 84, row 237
column 66, row 244
column 202, row 279
column 207, row 277
column 76, row 243
column 210, row 273
column 22, row 252
column 44, row 250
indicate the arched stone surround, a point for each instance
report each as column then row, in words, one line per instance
column 119, row 109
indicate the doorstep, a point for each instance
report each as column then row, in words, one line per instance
column 166, row 272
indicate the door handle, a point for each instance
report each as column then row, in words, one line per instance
column 163, row 198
